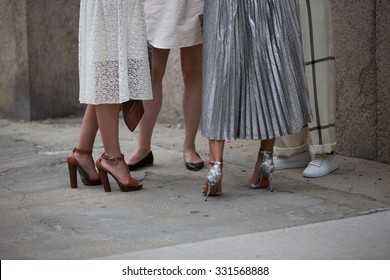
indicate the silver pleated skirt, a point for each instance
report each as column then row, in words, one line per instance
column 254, row 84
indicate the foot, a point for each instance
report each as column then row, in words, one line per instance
column 296, row 161
column 255, row 180
column 86, row 162
column 140, row 159
column 321, row 165
column 192, row 160
column 213, row 183
column 119, row 170
column 263, row 170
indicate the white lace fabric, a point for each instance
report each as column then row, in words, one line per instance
column 113, row 54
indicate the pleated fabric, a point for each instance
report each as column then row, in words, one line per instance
column 113, row 53
column 254, row 84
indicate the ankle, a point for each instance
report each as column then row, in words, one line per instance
column 81, row 157
column 140, row 153
column 265, row 151
column 82, row 151
column 214, row 162
column 112, row 159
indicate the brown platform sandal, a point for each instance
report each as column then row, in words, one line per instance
column 75, row 167
column 129, row 186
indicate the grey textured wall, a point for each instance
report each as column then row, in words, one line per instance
column 38, row 59
column 52, row 50
column 39, row 77
column 383, row 78
column 14, row 76
column 362, row 62
column 356, row 77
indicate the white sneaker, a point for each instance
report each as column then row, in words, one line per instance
column 321, row 165
column 295, row 161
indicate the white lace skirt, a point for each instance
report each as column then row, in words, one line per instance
column 113, row 55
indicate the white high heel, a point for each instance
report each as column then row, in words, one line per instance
column 213, row 184
column 266, row 169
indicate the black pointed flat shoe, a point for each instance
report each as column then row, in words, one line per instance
column 194, row 166
column 146, row 161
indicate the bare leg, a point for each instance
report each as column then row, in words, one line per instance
column 216, row 150
column 152, row 107
column 266, row 145
column 191, row 64
column 108, row 119
column 89, row 128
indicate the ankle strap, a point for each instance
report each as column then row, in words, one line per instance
column 82, row 152
column 215, row 162
column 265, row 152
column 111, row 159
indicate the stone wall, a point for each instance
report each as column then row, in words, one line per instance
column 383, row 79
column 52, row 51
column 38, row 59
column 39, row 77
column 14, row 76
column 362, row 62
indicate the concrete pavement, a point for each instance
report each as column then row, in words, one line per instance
column 344, row 215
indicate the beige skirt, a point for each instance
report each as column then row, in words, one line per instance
column 174, row 23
